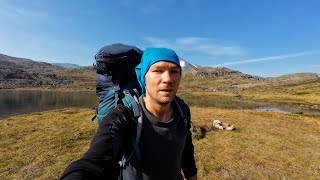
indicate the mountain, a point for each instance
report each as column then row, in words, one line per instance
column 25, row 73
column 185, row 64
column 296, row 77
column 14, row 62
column 67, row 65
column 206, row 72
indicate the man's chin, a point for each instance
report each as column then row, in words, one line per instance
column 165, row 100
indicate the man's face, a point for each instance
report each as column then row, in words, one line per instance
column 162, row 82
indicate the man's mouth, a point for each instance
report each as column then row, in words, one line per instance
column 166, row 90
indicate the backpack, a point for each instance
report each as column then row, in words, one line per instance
column 116, row 81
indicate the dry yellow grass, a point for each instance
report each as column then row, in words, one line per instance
column 40, row 145
column 266, row 145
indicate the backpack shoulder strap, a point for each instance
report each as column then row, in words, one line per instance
column 182, row 108
column 132, row 103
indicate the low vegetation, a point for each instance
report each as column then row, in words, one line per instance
column 305, row 92
column 265, row 145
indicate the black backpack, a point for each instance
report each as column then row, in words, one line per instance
column 116, row 81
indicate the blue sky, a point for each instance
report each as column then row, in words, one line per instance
column 263, row 38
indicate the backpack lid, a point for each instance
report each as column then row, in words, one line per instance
column 114, row 52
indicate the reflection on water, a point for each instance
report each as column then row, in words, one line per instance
column 22, row 102
column 238, row 103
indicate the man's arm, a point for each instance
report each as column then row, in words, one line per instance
column 101, row 160
column 188, row 162
column 193, row 178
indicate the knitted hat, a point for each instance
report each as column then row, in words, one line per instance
column 151, row 56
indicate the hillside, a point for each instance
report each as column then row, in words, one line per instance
column 300, row 88
column 26, row 73
column 204, row 79
column 66, row 65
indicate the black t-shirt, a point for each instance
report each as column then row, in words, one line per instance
column 161, row 145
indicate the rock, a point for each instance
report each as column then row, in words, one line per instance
column 217, row 123
column 220, row 125
column 230, row 128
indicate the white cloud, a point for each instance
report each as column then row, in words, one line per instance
column 19, row 14
column 315, row 65
column 198, row 45
column 270, row 58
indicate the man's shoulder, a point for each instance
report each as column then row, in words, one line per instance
column 183, row 108
column 120, row 111
column 181, row 102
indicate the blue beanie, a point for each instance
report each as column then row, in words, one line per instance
column 151, row 56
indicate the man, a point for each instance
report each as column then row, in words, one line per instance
column 165, row 144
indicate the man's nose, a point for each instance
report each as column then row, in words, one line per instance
column 167, row 77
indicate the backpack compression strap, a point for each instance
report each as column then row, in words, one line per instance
column 132, row 103
column 182, row 111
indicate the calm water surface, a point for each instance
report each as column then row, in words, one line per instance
column 23, row 102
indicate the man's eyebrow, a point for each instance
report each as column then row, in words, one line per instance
column 164, row 66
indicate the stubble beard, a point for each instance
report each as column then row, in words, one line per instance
column 161, row 101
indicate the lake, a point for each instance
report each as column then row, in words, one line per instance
column 15, row 102
column 26, row 101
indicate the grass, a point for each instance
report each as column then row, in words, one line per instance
column 40, row 145
column 306, row 92
column 266, row 145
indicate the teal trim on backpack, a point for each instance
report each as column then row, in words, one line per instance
column 109, row 102
column 131, row 103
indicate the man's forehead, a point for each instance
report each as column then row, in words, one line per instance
column 165, row 64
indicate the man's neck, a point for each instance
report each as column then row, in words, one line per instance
column 162, row 112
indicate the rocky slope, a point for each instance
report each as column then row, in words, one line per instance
column 26, row 73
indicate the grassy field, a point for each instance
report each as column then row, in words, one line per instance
column 306, row 92
column 266, row 145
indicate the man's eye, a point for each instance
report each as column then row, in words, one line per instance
column 175, row 71
column 157, row 71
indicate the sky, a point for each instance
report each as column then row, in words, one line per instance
column 262, row 38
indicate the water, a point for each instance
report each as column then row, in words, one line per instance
column 24, row 102
column 238, row 103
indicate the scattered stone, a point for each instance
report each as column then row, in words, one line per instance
column 230, row 128
column 217, row 123
column 220, row 125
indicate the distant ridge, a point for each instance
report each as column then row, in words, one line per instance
column 15, row 62
column 295, row 77
column 25, row 73
column 205, row 72
column 67, row 65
